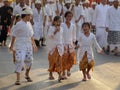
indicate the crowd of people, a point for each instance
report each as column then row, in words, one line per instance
column 64, row 26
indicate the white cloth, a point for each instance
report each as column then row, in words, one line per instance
column 113, row 19
column 55, row 40
column 87, row 16
column 100, row 15
column 101, row 36
column 23, row 33
column 69, row 36
column 77, row 13
column 87, row 44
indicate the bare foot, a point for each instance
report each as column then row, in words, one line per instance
column 68, row 73
column 88, row 76
column 51, row 78
column 84, row 79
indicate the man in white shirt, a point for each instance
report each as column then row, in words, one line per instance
column 113, row 26
column 86, row 10
column 99, row 23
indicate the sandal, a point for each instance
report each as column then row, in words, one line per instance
column 17, row 83
column 28, row 79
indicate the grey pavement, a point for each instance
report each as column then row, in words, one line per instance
column 106, row 74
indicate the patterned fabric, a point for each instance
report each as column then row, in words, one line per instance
column 69, row 58
column 114, row 37
column 55, row 62
column 85, row 64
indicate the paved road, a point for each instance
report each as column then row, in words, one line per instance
column 106, row 74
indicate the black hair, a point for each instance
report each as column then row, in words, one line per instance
column 68, row 12
column 87, row 24
column 56, row 18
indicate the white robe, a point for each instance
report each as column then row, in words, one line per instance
column 77, row 13
column 87, row 44
column 100, row 23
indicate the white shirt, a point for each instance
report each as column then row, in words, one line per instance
column 113, row 19
column 69, row 34
column 86, row 43
column 77, row 12
column 100, row 15
column 23, row 32
column 87, row 16
column 55, row 40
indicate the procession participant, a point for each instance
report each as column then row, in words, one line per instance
column 59, row 8
column 69, row 37
column 86, row 9
column 51, row 5
column 99, row 23
column 86, row 42
column 67, row 6
column 22, row 37
column 47, row 22
column 5, row 21
column 92, row 11
column 77, row 19
column 38, row 23
column 110, row 2
column 55, row 48
column 113, row 27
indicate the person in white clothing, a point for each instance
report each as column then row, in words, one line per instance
column 92, row 11
column 87, row 41
column 38, row 20
column 78, row 17
column 110, row 2
column 99, row 23
column 69, row 37
column 113, row 27
column 86, row 9
column 22, row 37
column 55, row 48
